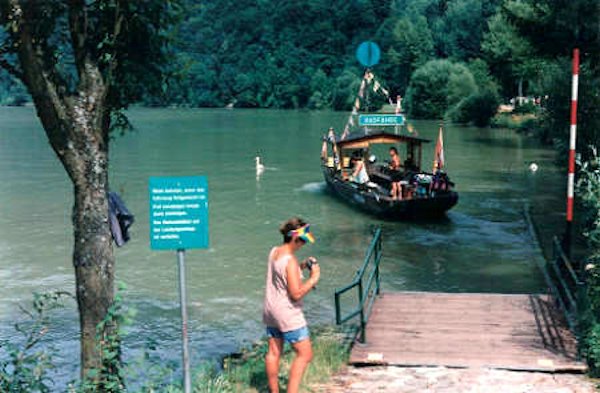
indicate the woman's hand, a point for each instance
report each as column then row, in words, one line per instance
column 315, row 273
column 296, row 288
column 308, row 262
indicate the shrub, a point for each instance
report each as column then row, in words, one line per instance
column 24, row 368
column 591, row 349
column 478, row 108
column 344, row 91
column 525, row 108
column 438, row 86
column 588, row 188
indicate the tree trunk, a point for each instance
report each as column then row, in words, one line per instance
column 84, row 154
column 93, row 257
column 82, row 147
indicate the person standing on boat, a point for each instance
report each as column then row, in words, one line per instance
column 396, row 174
column 359, row 171
column 282, row 313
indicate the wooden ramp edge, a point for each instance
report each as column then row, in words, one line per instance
column 512, row 332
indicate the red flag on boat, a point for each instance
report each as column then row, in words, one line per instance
column 438, row 162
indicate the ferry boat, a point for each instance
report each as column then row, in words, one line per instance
column 407, row 191
column 423, row 194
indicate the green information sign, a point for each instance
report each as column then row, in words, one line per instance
column 178, row 212
column 380, row 120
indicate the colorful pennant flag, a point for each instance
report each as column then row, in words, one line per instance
column 438, row 162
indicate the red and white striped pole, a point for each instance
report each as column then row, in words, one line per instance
column 572, row 145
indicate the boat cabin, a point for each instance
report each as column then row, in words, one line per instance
column 373, row 149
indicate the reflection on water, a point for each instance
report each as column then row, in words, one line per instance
column 481, row 246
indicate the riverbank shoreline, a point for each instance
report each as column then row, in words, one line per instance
column 244, row 371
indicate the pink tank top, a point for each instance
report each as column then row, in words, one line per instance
column 280, row 311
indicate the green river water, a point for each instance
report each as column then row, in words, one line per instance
column 481, row 246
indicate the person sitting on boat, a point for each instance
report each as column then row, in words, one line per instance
column 359, row 171
column 395, row 173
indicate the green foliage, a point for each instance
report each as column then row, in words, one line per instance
column 246, row 371
column 438, row 86
column 478, row 108
column 130, row 41
column 588, row 190
column 110, row 378
column 593, row 288
column 525, row 108
column 285, row 55
column 591, row 349
column 527, row 124
column 24, row 368
column 508, row 54
column 409, row 46
column 344, row 91
column 463, row 29
column 554, row 28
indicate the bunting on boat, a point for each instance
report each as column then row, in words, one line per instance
column 368, row 80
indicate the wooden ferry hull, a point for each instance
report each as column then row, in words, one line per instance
column 371, row 200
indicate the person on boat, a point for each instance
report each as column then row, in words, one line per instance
column 395, row 174
column 282, row 312
column 359, row 171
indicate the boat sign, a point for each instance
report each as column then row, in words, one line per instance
column 178, row 212
column 380, row 120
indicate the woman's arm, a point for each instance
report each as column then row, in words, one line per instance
column 296, row 288
column 359, row 165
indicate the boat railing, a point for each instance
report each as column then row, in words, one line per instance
column 568, row 286
column 367, row 284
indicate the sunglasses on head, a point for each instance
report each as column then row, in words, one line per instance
column 302, row 233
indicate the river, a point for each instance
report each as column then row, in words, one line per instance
column 481, row 246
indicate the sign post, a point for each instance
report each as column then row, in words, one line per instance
column 179, row 221
column 368, row 53
column 572, row 148
column 187, row 380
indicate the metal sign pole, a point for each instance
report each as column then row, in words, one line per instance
column 572, row 147
column 179, row 221
column 184, row 322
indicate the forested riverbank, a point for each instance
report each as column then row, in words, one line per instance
column 457, row 59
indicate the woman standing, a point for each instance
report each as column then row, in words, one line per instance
column 283, row 303
column 395, row 166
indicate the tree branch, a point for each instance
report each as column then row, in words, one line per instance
column 112, row 61
column 78, row 29
column 39, row 84
column 9, row 67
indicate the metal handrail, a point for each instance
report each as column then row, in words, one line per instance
column 366, row 295
column 567, row 283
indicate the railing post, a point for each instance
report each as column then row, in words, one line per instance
column 338, row 311
column 363, row 324
column 377, row 279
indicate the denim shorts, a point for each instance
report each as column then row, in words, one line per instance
column 292, row 337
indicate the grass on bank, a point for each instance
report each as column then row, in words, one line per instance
column 245, row 372
column 521, row 122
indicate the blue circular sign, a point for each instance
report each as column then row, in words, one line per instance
column 368, row 53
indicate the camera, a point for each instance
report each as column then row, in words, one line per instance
column 310, row 261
